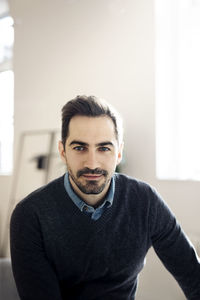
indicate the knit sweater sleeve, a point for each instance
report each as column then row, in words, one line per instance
column 174, row 248
column 35, row 277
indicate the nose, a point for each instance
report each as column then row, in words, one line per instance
column 91, row 160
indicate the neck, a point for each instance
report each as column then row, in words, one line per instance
column 90, row 199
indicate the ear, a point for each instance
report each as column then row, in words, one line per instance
column 120, row 152
column 62, row 151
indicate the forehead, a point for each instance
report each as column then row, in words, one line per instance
column 91, row 129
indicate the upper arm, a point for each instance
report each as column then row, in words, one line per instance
column 175, row 250
column 35, row 277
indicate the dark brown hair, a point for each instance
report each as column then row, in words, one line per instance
column 89, row 106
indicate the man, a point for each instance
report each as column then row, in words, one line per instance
column 85, row 235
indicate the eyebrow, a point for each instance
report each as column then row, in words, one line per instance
column 75, row 142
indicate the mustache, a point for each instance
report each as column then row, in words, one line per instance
column 92, row 171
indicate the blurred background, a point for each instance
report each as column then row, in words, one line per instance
column 142, row 56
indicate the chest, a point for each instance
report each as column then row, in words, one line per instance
column 79, row 252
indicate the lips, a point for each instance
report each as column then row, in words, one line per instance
column 92, row 176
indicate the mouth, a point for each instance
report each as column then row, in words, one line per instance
column 92, row 176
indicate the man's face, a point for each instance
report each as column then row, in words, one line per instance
column 91, row 153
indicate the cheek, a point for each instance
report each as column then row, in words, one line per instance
column 73, row 161
column 112, row 162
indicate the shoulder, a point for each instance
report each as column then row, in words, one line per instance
column 136, row 191
column 37, row 212
column 42, row 197
column 142, row 197
column 128, row 183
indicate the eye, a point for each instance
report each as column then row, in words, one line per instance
column 79, row 148
column 104, row 149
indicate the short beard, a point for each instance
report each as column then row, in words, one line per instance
column 91, row 186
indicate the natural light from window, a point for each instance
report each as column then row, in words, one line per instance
column 178, row 89
column 6, row 96
column 6, row 121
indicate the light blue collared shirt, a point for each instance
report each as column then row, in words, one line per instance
column 95, row 213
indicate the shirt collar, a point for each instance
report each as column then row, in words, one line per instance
column 80, row 203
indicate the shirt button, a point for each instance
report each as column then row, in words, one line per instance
column 85, row 208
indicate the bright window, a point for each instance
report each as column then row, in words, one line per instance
column 6, row 95
column 178, row 89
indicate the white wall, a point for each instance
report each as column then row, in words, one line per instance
column 106, row 48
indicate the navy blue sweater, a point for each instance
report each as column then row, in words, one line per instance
column 60, row 253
